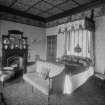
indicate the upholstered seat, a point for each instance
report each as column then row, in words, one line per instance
column 6, row 73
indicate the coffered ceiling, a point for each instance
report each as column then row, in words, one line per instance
column 46, row 10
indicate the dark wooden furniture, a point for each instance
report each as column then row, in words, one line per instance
column 14, row 51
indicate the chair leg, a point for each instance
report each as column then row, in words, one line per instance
column 2, row 84
column 48, row 99
column 32, row 89
column 2, row 99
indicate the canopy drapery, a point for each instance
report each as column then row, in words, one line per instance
column 75, row 38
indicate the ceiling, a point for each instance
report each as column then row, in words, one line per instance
column 46, row 10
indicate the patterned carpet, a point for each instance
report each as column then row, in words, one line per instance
column 20, row 93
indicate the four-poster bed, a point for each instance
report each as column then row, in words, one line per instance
column 75, row 49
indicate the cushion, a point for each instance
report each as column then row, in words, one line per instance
column 45, row 75
column 8, row 68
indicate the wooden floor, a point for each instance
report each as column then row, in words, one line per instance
column 91, row 93
column 20, row 93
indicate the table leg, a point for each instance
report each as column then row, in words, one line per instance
column 2, row 96
column 32, row 89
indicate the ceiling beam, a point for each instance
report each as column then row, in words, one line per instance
column 76, row 2
column 54, row 5
column 78, row 9
column 13, row 3
column 33, row 5
column 20, row 13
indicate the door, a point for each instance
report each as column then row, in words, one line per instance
column 51, row 48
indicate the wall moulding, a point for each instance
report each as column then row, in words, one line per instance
column 23, row 20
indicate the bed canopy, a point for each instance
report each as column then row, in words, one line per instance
column 76, row 39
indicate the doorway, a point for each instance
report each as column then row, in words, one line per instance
column 51, row 48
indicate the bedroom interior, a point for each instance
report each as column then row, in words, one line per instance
column 52, row 52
